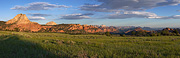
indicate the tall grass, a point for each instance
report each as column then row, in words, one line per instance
column 56, row 45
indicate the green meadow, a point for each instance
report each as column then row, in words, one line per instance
column 57, row 45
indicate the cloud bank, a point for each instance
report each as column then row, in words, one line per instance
column 109, row 5
column 131, row 8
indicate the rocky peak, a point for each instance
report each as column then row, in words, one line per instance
column 51, row 23
column 19, row 19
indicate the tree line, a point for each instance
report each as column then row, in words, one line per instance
column 164, row 32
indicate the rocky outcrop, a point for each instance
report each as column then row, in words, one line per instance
column 19, row 19
column 51, row 23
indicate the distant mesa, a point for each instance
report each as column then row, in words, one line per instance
column 51, row 23
column 19, row 19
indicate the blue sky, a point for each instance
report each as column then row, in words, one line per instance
column 149, row 13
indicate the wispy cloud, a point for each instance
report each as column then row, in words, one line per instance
column 171, row 17
column 36, row 18
column 39, row 14
column 96, row 8
column 38, row 6
column 178, row 10
column 132, row 14
column 77, row 16
column 139, row 14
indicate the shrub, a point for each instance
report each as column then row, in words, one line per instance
column 107, row 33
column 123, row 35
column 17, row 29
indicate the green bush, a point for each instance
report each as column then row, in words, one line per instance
column 107, row 33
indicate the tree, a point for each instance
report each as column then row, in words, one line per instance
column 158, row 34
column 107, row 33
column 176, row 32
column 153, row 34
column 141, row 33
column 124, row 35
column 165, row 32
column 133, row 33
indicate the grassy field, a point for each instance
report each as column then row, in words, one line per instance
column 56, row 45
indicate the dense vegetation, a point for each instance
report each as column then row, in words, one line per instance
column 164, row 32
column 55, row 45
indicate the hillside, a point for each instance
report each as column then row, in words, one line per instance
column 55, row 45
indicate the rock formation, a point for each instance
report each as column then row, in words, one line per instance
column 51, row 23
column 19, row 19
column 21, row 23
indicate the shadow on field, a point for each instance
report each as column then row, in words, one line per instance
column 12, row 47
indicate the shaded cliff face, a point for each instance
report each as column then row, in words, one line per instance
column 51, row 23
column 19, row 19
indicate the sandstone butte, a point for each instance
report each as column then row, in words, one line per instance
column 19, row 19
column 21, row 22
column 51, row 23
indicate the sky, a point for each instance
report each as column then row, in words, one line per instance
column 144, row 13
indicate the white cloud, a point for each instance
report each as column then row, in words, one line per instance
column 38, row 6
column 36, row 18
column 76, row 16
